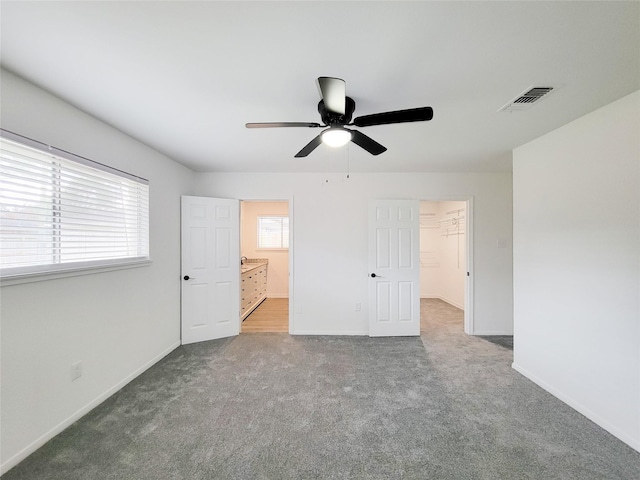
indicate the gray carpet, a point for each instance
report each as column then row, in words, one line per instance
column 274, row 406
column 505, row 341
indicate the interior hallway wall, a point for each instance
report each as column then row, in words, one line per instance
column 330, row 239
column 577, row 265
column 278, row 268
column 116, row 323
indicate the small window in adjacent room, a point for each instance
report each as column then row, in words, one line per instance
column 60, row 212
column 273, row 232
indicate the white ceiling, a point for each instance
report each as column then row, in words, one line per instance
column 184, row 77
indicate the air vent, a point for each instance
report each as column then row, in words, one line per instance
column 526, row 99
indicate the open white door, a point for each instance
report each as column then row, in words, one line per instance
column 394, row 268
column 210, row 268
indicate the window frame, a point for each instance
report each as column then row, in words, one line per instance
column 282, row 236
column 46, row 271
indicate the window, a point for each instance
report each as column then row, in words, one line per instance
column 59, row 211
column 273, row 232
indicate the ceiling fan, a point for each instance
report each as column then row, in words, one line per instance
column 336, row 110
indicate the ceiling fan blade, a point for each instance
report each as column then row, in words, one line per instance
column 281, row 124
column 333, row 92
column 399, row 116
column 369, row 144
column 309, row 147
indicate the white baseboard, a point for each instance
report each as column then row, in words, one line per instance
column 33, row 446
column 595, row 418
column 451, row 302
column 492, row 333
column 444, row 299
column 330, row 332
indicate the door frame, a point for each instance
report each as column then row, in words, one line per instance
column 469, row 326
column 291, row 249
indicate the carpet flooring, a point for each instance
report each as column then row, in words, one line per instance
column 273, row 406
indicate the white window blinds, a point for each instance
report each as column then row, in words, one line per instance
column 59, row 211
column 273, row 232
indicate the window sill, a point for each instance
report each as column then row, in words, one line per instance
column 22, row 278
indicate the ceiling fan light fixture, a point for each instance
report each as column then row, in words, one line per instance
column 336, row 137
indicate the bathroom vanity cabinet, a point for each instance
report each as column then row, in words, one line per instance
column 253, row 286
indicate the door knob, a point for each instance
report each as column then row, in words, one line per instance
column 186, row 277
column 373, row 275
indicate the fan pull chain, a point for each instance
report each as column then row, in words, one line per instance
column 348, row 160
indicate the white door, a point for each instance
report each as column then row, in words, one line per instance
column 210, row 268
column 394, row 268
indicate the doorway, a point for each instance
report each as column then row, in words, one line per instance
column 265, row 237
column 445, row 254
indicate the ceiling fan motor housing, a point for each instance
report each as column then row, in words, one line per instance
column 333, row 118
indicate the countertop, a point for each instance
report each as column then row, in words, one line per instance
column 247, row 267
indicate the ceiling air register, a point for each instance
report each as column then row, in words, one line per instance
column 526, row 99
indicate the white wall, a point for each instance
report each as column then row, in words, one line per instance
column 117, row 323
column 577, row 265
column 452, row 248
column 443, row 252
column 278, row 269
column 430, row 260
column 330, row 239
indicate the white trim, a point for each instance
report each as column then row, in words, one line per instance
column 469, row 308
column 292, row 226
column 597, row 419
column 33, row 446
column 492, row 333
column 19, row 279
column 333, row 333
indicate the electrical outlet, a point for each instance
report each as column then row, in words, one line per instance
column 76, row 371
column 358, row 307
